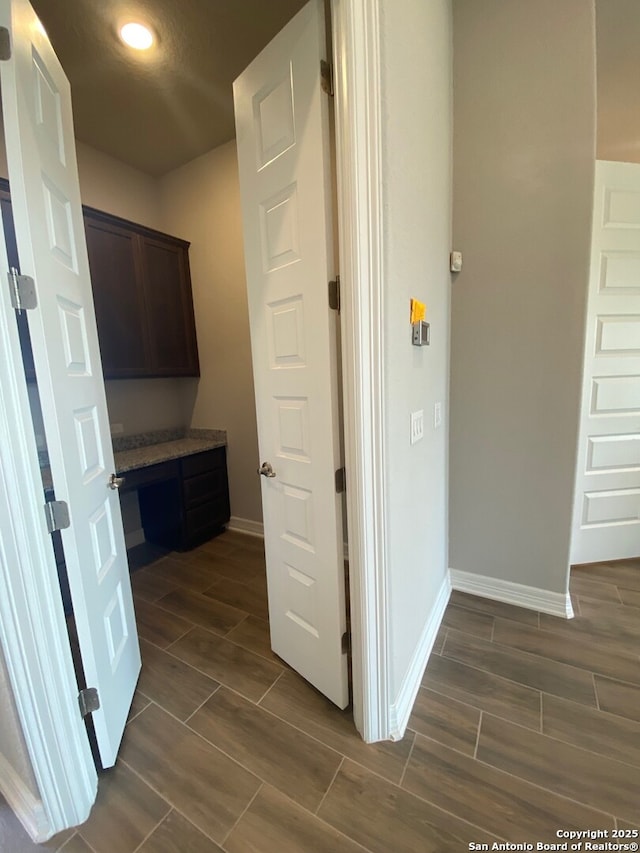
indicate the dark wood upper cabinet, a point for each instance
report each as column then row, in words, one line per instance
column 142, row 296
column 141, row 292
column 118, row 299
column 167, row 292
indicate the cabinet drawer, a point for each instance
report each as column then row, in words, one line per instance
column 201, row 462
column 204, row 487
column 140, row 477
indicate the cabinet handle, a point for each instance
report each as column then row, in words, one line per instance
column 115, row 482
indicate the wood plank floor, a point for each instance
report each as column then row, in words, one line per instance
column 524, row 724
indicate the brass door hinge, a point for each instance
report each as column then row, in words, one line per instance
column 326, row 77
column 334, row 294
column 5, row 44
column 346, row 643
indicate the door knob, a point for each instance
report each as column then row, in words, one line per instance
column 266, row 470
column 115, row 482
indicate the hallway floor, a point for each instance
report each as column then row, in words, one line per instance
column 525, row 724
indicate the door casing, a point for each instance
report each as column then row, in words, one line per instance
column 49, row 716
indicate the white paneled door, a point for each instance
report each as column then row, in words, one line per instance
column 282, row 125
column 606, row 521
column 51, row 245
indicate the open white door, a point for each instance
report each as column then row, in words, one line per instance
column 51, row 246
column 606, row 518
column 282, row 125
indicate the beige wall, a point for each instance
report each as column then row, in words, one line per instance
column 416, row 163
column 109, row 184
column 201, row 201
column 106, row 183
column 618, row 71
column 524, row 151
column 13, row 747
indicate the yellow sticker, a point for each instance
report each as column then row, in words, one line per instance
column 418, row 311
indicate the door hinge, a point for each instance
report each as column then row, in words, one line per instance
column 23, row 290
column 341, row 480
column 326, row 77
column 89, row 701
column 346, row 643
column 334, row 294
column 5, row 44
column 57, row 515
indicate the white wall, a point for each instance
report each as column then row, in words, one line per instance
column 524, row 153
column 202, row 201
column 416, row 92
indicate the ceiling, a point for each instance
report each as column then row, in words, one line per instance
column 160, row 109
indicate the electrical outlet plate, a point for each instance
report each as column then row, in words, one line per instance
column 417, row 426
column 116, row 429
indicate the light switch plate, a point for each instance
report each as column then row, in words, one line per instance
column 417, row 426
column 437, row 415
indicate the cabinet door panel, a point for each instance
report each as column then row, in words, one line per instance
column 203, row 522
column 120, row 311
column 172, row 337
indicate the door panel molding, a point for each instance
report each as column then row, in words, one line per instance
column 284, row 161
column 33, row 633
column 50, row 236
column 606, row 511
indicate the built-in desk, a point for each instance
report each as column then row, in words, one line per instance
column 182, row 489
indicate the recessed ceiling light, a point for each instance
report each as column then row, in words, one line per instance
column 136, row 36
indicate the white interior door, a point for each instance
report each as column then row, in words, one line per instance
column 606, row 522
column 282, row 125
column 51, row 246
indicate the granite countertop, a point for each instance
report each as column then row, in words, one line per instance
column 140, row 451
column 150, row 448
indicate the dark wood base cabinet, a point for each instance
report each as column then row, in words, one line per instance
column 185, row 501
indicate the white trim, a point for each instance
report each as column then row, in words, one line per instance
column 246, row 525
column 530, row 597
column 356, row 51
column 402, row 707
column 134, row 538
column 27, row 808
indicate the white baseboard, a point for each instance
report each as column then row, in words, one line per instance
column 133, row 538
column 246, row 525
column 28, row 809
column 401, row 709
column 555, row 603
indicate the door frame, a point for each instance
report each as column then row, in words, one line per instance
column 358, row 115
column 33, row 632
